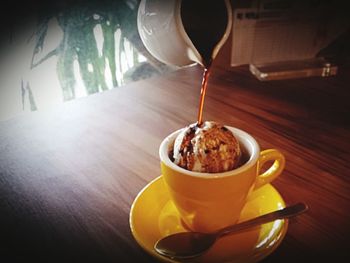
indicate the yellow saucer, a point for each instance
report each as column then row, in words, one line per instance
column 154, row 216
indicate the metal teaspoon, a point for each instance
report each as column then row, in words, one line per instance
column 192, row 244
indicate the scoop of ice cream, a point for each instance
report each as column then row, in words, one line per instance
column 210, row 148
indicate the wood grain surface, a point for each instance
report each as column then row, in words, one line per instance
column 69, row 176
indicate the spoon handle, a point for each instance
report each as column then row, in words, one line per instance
column 286, row 212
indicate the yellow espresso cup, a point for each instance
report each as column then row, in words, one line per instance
column 209, row 201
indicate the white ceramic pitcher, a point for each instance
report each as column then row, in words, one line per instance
column 162, row 32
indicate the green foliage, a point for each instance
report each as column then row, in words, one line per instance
column 77, row 22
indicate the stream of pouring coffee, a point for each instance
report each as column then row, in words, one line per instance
column 205, row 23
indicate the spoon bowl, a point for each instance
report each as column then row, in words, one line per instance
column 184, row 245
column 193, row 244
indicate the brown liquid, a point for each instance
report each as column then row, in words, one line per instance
column 205, row 23
column 244, row 158
column 202, row 96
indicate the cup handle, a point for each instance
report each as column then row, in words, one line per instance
column 274, row 171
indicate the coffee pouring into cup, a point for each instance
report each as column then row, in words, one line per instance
column 184, row 32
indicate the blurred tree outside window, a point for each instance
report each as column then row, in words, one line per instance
column 74, row 50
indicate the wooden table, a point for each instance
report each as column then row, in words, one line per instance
column 69, row 176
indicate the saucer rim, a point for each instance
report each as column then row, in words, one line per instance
column 256, row 257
